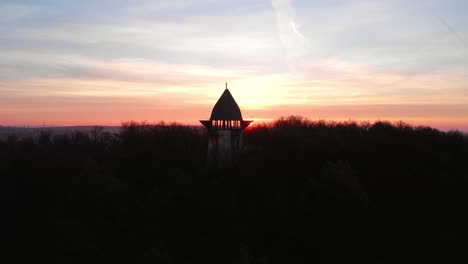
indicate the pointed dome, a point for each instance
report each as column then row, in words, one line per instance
column 226, row 108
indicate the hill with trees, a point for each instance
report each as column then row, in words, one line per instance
column 303, row 192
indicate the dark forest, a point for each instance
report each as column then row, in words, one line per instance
column 303, row 192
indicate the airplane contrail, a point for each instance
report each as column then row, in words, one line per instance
column 294, row 28
column 443, row 22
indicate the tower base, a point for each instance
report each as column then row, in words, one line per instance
column 224, row 147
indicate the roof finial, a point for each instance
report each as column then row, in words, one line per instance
column 226, row 85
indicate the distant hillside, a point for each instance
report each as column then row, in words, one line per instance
column 23, row 132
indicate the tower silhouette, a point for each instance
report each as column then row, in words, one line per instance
column 225, row 136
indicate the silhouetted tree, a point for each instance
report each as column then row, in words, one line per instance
column 305, row 192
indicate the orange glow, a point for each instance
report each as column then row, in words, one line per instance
column 129, row 90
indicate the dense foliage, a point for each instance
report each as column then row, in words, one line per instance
column 303, row 192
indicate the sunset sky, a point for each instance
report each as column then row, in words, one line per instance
column 102, row 62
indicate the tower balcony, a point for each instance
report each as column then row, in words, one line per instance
column 226, row 124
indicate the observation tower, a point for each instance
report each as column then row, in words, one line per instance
column 225, row 136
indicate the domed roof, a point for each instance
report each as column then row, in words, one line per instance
column 226, row 108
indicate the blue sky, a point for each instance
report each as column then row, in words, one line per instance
column 110, row 61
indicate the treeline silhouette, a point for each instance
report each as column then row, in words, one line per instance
column 303, row 192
